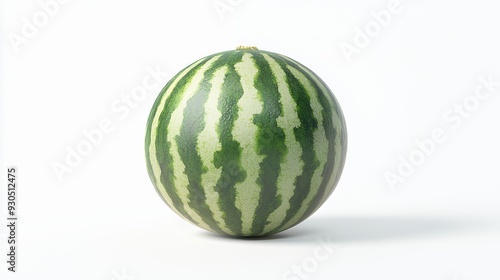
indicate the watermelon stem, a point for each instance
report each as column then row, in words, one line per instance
column 240, row 47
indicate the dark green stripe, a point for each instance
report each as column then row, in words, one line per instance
column 163, row 146
column 229, row 157
column 152, row 114
column 304, row 135
column 330, row 132
column 270, row 143
column 341, row 154
column 325, row 99
column 192, row 124
column 342, row 131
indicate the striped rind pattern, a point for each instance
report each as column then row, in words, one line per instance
column 245, row 143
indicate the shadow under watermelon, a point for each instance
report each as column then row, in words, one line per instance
column 357, row 229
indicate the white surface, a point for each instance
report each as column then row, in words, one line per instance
column 105, row 221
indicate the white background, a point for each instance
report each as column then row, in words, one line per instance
column 104, row 220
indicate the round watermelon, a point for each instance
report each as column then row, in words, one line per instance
column 245, row 142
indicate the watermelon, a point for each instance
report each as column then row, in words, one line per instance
column 245, row 143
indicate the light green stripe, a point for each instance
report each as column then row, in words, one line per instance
column 208, row 144
column 181, row 181
column 320, row 144
column 292, row 164
column 155, row 166
column 245, row 132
